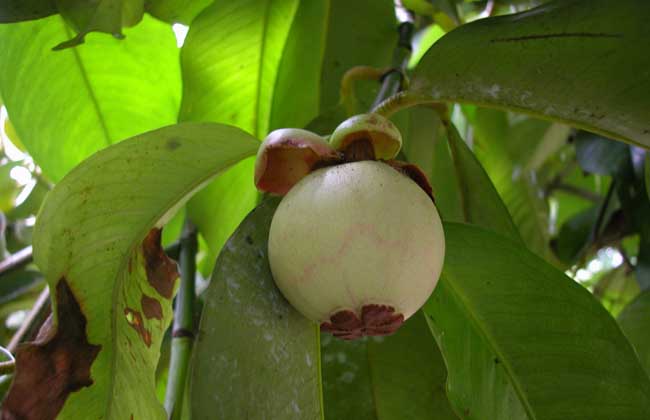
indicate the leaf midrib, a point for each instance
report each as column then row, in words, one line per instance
column 89, row 88
column 483, row 332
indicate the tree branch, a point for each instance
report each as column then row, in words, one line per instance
column 183, row 329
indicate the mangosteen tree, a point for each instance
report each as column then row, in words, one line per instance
column 325, row 209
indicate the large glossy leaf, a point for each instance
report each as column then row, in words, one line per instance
column 522, row 340
column 360, row 32
column 479, row 200
column 97, row 242
column 496, row 138
column 17, row 10
column 255, row 357
column 254, row 64
column 66, row 105
column 572, row 61
column 401, row 376
column 635, row 323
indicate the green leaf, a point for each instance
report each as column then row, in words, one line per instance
column 599, row 155
column 616, row 289
column 360, row 32
column 275, row 49
column 176, row 11
column 66, row 105
column 643, row 257
column 577, row 62
column 522, row 340
column 16, row 283
column 17, row 10
column 221, row 206
column 635, row 322
column 97, row 244
column 497, row 146
column 575, row 234
column 480, row 201
column 98, row 16
column 296, row 97
column 255, row 356
column 401, row 376
column 647, row 173
column 427, row 146
column 243, row 39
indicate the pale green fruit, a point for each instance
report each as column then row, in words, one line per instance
column 353, row 235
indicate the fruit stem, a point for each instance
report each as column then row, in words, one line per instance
column 183, row 329
column 393, row 80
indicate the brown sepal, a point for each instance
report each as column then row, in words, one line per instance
column 288, row 155
column 415, row 173
column 56, row 364
column 376, row 320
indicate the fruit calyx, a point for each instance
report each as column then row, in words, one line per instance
column 376, row 320
column 287, row 155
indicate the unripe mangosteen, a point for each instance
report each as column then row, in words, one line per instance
column 357, row 247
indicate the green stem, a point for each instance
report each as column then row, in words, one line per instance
column 183, row 329
column 393, row 80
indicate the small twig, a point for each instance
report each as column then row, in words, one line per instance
column 393, row 80
column 29, row 328
column 579, row 192
column 25, row 256
column 348, row 97
column 489, row 9
column 183, row 329
column 16, row 260
column 557, row 179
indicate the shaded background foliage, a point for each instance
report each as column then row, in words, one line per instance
column 576, row 199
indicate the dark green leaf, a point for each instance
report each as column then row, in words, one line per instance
column 574, row 235
column 360, row 32
column 577, row 62
column 397, row 377
column 599, row 155
column 111, row 286
column 426, row 145
column 17, row 283
column 480, row 202
column 498, row 144
column 635, row 323
column 66, row 105
column 616, row 288
column 522, row 340
column 173, row 11
column 107, row 16
column 17, row 10
column 643, row 257
column 275, row 49
column 255, row 357
column 647, row 173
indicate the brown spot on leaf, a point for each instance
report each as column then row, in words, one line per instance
column 161, row 270
column 415, row 173
column 56, row 364
column 134, row 319
column 375, row 320
column 151, row 307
